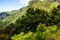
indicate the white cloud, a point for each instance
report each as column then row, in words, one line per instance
column 23, row 2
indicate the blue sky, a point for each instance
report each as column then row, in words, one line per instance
column 8, row 5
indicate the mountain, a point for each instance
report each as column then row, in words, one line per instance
column 37, row 17
column 13, row 16
column 3, row 15
column 8, row 17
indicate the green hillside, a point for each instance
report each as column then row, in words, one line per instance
column 37, row 21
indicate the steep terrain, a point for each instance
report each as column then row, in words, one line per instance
column 37, row 21
column 14, row 15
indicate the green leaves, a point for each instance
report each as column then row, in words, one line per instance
column 29, row 36
column 38, row 21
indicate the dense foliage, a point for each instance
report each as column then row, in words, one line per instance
column 49, row 23
column 36, row 24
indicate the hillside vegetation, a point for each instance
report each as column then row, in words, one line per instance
column 38, row 21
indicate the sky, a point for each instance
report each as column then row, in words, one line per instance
column 8, row 5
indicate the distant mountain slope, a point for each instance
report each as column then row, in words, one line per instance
column 14, row 15
column 3, row 15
